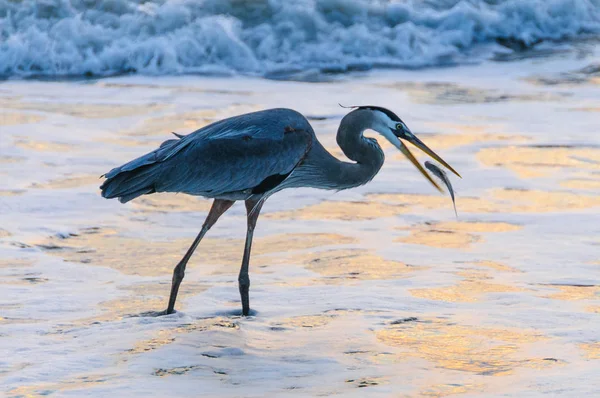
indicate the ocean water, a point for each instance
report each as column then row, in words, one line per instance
column 277, row 38
column 376, row 291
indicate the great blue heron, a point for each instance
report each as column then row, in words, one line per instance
column 249, row 157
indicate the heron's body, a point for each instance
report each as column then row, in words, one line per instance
column 243, row 157
column 250, row 157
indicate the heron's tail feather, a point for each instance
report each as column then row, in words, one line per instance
column 128, row 185
column 139, row 177
column 126, row 198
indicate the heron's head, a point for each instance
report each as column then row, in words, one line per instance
column 389, row 125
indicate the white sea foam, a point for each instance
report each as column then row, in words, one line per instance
column 79, row 37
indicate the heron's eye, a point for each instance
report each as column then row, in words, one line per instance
column 399, row 126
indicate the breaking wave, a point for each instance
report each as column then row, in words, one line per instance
column 59, row 38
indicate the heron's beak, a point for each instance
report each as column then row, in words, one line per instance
column 406, row 134
column 404, row 149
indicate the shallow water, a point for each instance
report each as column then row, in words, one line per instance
column 378, row 289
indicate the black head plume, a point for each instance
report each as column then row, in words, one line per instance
column 389, row 113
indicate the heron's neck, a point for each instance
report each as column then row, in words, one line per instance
column 365, row 152
column 320, row 169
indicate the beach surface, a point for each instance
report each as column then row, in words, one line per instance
column 379, row 290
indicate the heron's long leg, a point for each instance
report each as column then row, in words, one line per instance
column 219, row 207
column 253, row 210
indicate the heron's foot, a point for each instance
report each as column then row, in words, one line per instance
column 244, row 293
column 157, row 313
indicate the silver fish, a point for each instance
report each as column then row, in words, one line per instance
column 441, row 174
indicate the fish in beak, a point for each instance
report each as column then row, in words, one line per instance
column 403, row 132
column 441, row 174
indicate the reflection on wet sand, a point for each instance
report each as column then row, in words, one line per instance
column 467, row 135
column 80, row 109
column 591, row 184
column 105, row 247
column 532, row 162
column 77, row 383
column 142, row 298
column 592, row 350
column 462, row 135
column 482, row 351
column 452, row 235
column 168, row 335
column 438, row 238
column 500, row 201
column 12, row 118
column 340, row 211
column 439, row 329
column 168, row 202
column 464, row 203
column 314, row 321
column 575, row 292
column 17, row 263
column 11, row 159
column 67, row 182
column 444, row 390
column 11, row 192
column 476, row 226
column 532, row 201
column 183, row 123
column 353, row 264
column 472, row 288
column 43, row 146
column 593, row 308
column 496, row 266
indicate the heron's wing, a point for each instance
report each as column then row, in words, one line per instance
column 212, row 165
column 254, row 152
column 161, row 154
column 218, row 166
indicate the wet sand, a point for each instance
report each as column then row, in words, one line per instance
column 379, row 290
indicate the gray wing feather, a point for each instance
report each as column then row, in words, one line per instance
column 231, row 155
column 220, row 166
column 164, row 152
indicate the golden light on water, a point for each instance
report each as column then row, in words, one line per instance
column 443, row 239
column 377, row 291
column 12, row 118
column 43, row 146
column 591, row 350
column 591, row 183
column 532, row 162
column 453, row 234
column 470, row 290
column 356, row 264
column 136, row 256
column 340, row 211
column 81, row 109
column 500, row 201
column 576, row 293
column 67, row 182
column 482, row 351
column 496, row 266
column 445, row 390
